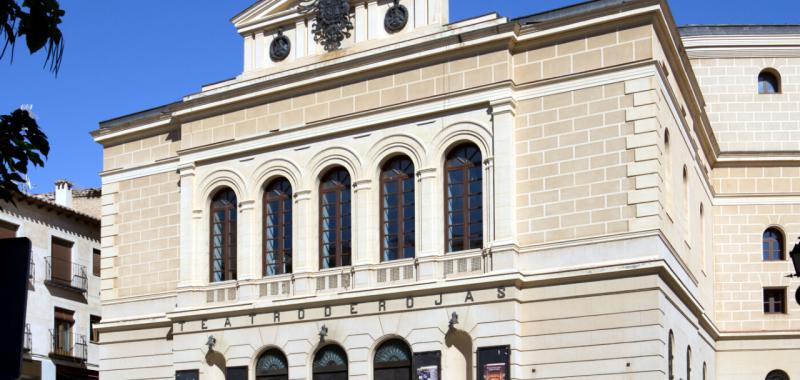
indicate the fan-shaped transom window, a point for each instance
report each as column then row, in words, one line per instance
column 777, row 375
column 397, row 209
column 393, row 361
column 772, row 245
column 330, row 363
column 278, row 227
column 334, row 215
column 464, row 198
column 769, row 82
column 223, row 236
column 272, row 365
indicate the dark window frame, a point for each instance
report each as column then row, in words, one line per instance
column 338, row 188
column 229, row 235
column 769, row 77
column 464, row 167
column 775, row 306
column 190, row 374
column 283, row 254
column 771, row 244
column 66, row 318
column 96, row 262
column 398, row 178
column 94, row 335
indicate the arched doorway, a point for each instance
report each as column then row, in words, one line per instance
column 392, row 361
column 330, row 363
column 272, row 365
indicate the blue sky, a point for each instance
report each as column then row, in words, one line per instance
column 126, row 56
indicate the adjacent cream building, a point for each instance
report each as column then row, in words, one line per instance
column 589, row 192
column 64, row 282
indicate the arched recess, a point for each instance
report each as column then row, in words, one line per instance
column 461, row 132
column 327, row 158
column 273, row 168
column 399, row 144
column 458, row 355
column 215, row 180
column 272, row 365
column 392, row 360
column 330, row 363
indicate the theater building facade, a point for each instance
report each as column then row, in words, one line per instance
column 589, row 192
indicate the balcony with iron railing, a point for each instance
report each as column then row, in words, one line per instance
column 27, row 342
column 68, row 346
column 66, row 274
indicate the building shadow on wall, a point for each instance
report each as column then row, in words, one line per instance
column 459, row 354
column 216, row 359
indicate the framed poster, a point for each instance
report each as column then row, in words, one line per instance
column 427, row 365
column 494, row 363
column 192, row 374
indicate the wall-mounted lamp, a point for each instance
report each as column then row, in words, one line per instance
column 323, row 332
column 453, row 320
column 795, row 255
column 211, row 343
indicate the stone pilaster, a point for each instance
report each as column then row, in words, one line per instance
column 187, row 182
column 501, row 170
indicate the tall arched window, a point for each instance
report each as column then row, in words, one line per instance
column 670, row 356
column 688, row 362
column 769, row 82
column 223, row 236
column 278, row 227
column 330, row 363
column 272, row 365
column 686, row 197
column 667, row 163
column 393, row 361
column 397, row 209
column 464, row 198
column 777, row 375
column 772, row 245
column 334, row 219
column 705, row 371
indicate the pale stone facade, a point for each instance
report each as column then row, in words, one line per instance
column 612, row 217
column 45, row 220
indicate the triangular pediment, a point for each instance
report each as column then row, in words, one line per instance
column 263, row 10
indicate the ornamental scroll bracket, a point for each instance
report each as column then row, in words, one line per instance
column 332, row 23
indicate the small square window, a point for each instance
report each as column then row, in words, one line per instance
column 775, row 301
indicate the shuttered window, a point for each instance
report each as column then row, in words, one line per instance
column 61, row 261
column 7, row 230
column 96, row 262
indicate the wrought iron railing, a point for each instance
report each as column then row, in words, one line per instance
column 66, row 274
column 27, row 343
column 68, row 346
